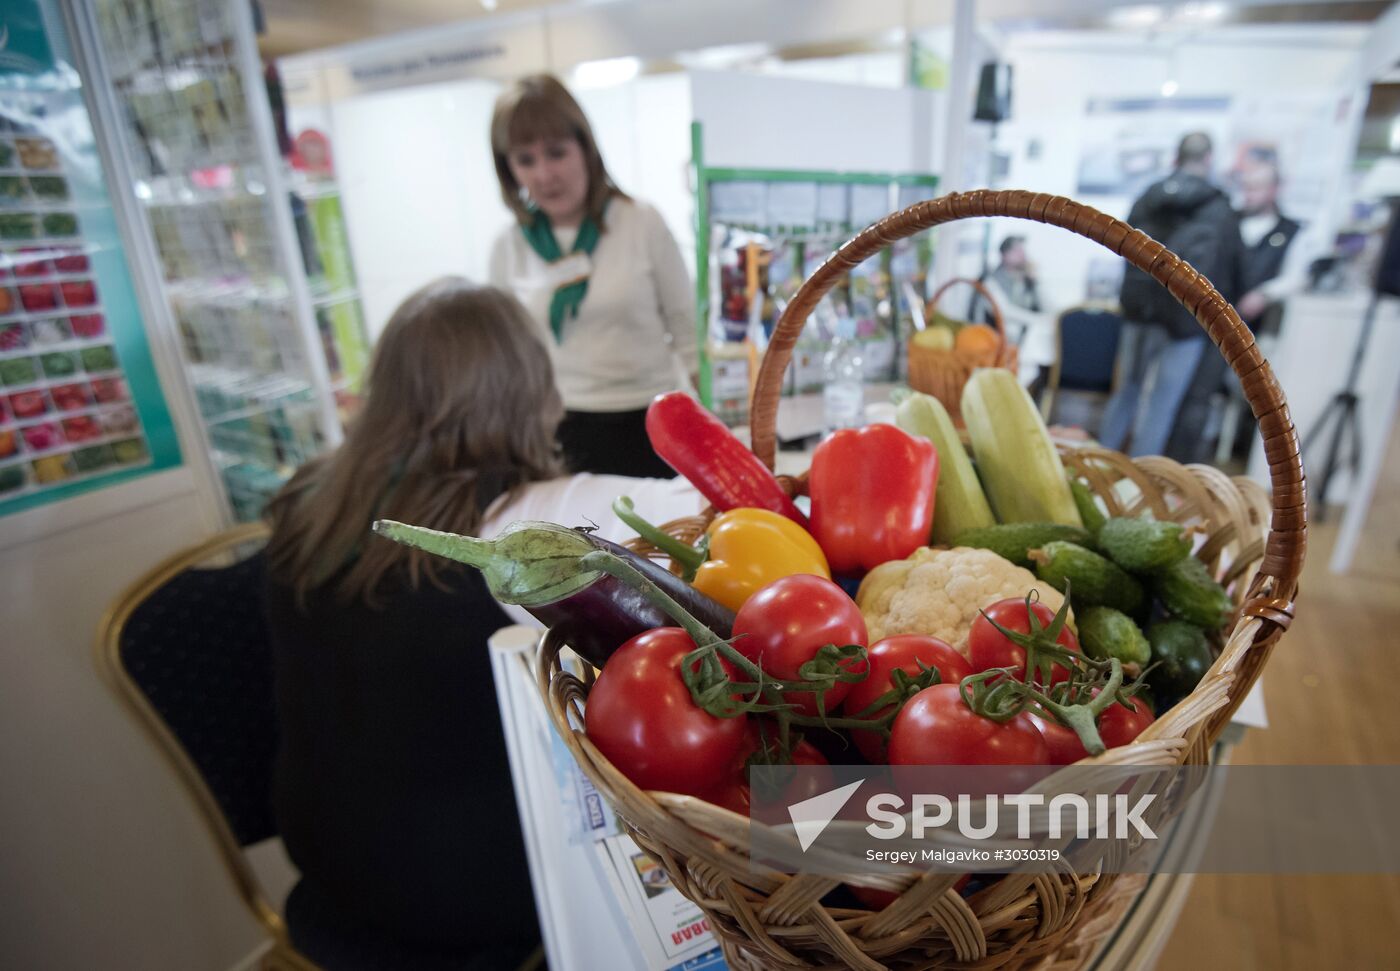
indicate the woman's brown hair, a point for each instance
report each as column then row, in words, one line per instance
column 535, row 107
column 461, row 406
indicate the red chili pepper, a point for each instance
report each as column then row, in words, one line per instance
column 872, row 496
column 697, row 445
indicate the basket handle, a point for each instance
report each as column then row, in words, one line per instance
column 998, row 321
column 1287, row 542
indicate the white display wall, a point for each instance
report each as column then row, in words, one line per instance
column 1284, row 84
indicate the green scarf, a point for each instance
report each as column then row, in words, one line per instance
column 540, row 236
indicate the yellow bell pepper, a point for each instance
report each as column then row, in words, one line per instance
column 749, row 549
column 743, row 551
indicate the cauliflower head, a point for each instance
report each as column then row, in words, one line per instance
column 940, row 592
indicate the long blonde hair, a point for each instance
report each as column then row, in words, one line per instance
column 539, row 106
column 461, row 407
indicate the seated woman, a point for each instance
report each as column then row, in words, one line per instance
column 392, row 789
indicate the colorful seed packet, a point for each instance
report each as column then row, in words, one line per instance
column 87, row 326
column 130, row 450
column 37, row 153
column 13, row 190
column 20, row 225
column 70, row 397
column 122, row 421
column 29, row 263
column 12, row 477
column 13, row 337
column 79, row 293
column 38, row 297
column 93, row 458
column 53, row 468
column 60, row 224
column 49, row 187
column 19, row 370
column 82, row 428
column 9, row 302
column 59, row 364
column 9, row 443
column 102, row 358
column 42, row 437
column 105, row 391
column 7, row 154
column 28, row 404
column 52, row 331
column 73, row 261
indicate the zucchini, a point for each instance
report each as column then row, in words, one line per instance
column 959, row 504
column 1187, row 590
column 1014, row 541
column 1143, row 545
column 1090, row 579
column 1020, row 467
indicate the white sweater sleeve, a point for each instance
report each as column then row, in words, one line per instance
column 498, row 271
column 586, row 499
column 675, row 292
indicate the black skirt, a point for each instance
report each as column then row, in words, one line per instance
column 610, row 443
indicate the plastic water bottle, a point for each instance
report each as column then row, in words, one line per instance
column 843, row 375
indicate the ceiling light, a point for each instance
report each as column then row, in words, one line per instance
column 607, row 72
column 1207, row 13
column 1169, row 88
column 489, row 4
column 1136, row 17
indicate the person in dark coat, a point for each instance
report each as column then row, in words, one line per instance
column 1162, row 340
column 1274, row 265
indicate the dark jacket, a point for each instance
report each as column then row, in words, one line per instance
column 392, row 788
column 1194, row 220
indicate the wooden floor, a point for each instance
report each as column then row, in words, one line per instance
column 1332, row 689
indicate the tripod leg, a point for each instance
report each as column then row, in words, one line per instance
column 1334, row 449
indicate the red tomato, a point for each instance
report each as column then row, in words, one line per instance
column 988, row 647
column 641, row 716
column 902, row 652
column 733, row 793
column 937, row 728
column 1117, row 726
column 782, row 627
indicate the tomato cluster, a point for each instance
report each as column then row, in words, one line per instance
column 907, row 700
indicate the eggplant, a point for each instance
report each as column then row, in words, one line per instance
column 538, row 566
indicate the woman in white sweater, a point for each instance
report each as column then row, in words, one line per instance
column 600, row 274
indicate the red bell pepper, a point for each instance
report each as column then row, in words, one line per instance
column 872, row 496
column 697, row 445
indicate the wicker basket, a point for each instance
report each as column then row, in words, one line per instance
column 943, row 373
column 774, row 921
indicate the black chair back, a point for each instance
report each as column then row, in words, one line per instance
column 1088, row 349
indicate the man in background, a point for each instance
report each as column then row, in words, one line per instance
column 1274, row 266
column 1163, row 343
column 1013, row 286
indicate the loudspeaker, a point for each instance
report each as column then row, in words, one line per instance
column 993, row 93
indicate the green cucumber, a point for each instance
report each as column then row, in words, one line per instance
column 1143, row 545
column 1090, row 579
column 1181, row 656
column 1088, row 509
column 1014, row 541
column 1105, row 633
column 1187, row 590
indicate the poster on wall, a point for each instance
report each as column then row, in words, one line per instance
column 80, row 405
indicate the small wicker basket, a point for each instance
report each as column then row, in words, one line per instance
column 943, row 373
column 771, row 920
